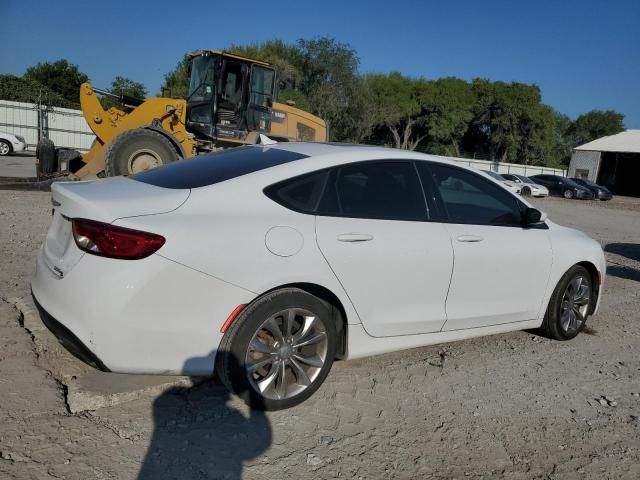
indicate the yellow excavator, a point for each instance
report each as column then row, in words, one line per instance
column 230, row 102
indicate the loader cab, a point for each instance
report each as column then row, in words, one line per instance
column 229, row 96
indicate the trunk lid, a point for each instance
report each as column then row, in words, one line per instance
column 105, row 201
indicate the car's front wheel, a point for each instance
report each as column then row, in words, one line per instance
column 570, row 305
column 279, row 350
column 5, row 148
column 568, row 193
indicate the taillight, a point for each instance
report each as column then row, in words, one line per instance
column 110, row 241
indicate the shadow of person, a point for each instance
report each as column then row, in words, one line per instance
column 197, row 434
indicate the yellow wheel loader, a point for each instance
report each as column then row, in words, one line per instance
column 231, row 101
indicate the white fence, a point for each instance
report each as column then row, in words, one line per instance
column 514, row 168
column 64, row 126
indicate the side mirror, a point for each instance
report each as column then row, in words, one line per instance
column 532, row 216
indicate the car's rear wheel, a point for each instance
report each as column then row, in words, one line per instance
column 279, row 350
column 5, row 148
column 570, row 305
column 568, row 193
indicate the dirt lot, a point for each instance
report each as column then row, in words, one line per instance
column 514, row 406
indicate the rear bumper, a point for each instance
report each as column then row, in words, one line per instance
column 142, row 316
column 68, row 340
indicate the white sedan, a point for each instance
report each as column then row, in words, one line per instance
column 10, row 143
column 527, row 186
column 506, row 183
column 267, row 263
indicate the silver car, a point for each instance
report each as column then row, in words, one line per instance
column 514, row 187
column 10, row 143
column 527, row 186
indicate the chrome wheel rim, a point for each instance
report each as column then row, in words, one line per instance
column 568, row 194
column 575, row 303
column 142, row 160
column 4, row 148
column 286, row 354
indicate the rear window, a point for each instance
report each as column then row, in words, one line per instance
column 216, row 167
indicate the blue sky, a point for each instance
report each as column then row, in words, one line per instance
column 584, row 55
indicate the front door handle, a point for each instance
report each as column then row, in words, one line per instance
column 355, row 237
column 469, row 238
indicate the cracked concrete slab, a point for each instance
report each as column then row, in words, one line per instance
column 85, row 387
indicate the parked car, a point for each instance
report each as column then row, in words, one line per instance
column 527, row 186
column 600, row 192
column 269, row 263
column 10, row 143
column 563, row 186
column 508, row 184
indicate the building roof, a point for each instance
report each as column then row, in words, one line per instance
column 627, row 141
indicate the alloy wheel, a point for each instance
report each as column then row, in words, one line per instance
column 568, row 194
column 286, row 354
column 4, row 148
column 575, row 304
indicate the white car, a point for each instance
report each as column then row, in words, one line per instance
column 527, row 186
column 10, row 143
column 506, row 183
column 267, row 263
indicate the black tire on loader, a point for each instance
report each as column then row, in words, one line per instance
column 138, row 150
column 47, row 159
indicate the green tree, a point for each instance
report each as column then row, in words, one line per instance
column 397, row 100
column 595, row 124
column 176, row 82
column 330, row 82
column 60, row 76
column 19, row 89
column 447, row 110
column 123, row 86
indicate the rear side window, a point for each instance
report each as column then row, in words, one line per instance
column 300, row 194
column 216, row 167
column 380, row 190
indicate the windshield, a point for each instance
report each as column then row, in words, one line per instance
column 524, row 179
column 588, row 182
column 201, row 83
column 496, row 176
column 570, row 182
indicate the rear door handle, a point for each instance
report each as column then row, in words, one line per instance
column 469, row 238
column 355, row 237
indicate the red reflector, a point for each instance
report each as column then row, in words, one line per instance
column 227, row 323
column 107, row 240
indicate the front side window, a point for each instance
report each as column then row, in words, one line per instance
column 379, row 190
column 468, row 198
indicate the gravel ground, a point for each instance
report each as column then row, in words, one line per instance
column 513, row 406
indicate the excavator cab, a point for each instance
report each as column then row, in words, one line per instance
column 229, row 96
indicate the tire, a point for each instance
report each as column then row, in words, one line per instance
column 5, row 148
column 525, row 192
column 555, row 323
column 138, row 150
column 254, row 327
column 47, row 159
column 568, row 194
